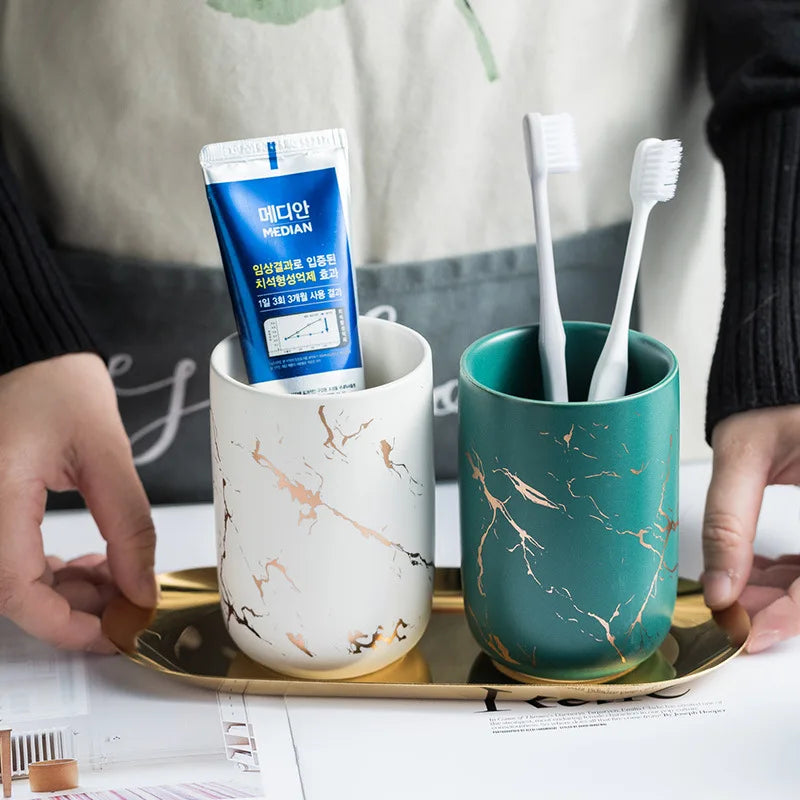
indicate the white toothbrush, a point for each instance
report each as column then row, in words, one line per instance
column 550, row 147
column 654, row 175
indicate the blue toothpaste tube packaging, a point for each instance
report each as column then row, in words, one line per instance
column 280, row 208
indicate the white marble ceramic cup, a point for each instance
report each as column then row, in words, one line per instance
column 325, row 511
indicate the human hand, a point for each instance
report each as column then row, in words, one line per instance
column 60, row 429
column 752, row 450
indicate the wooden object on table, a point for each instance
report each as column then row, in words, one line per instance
column 5, row 761
column 53, row 776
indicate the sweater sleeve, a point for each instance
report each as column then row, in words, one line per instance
column 753, row 65
column 39, row 317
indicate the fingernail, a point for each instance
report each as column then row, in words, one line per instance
column 762, row 641
column 717, row 588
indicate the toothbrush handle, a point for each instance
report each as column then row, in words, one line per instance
column 552, row 339
column 610, row 374
column 630, row 270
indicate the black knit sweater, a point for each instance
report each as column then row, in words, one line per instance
column 753, row 63
column 39, row 317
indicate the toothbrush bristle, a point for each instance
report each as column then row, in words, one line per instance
column 561, row 143
column 658, row 176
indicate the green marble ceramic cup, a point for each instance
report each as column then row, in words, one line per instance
column 569, row 511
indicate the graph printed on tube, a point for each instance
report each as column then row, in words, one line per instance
column 654, row 176
column 305, row 332
column 550, row 147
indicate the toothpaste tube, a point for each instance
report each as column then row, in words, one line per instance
column 281, row 210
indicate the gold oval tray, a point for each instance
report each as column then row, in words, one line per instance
column 185, row 638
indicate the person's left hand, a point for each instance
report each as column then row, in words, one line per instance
column 752, row 450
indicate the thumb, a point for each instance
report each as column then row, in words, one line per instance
column 109, row 483
column 729, row 524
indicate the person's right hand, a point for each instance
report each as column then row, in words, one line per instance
column 752, row 449
column 60, row 429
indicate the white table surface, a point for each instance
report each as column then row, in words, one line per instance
column 186, row 539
